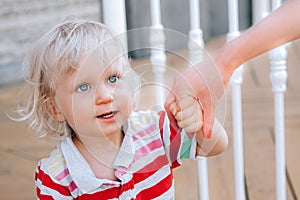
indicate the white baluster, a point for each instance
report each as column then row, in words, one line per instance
column 278, row 76
column 158, row 56
column 236, row 82
column 196, row 45
column 114, row 16
column 203, row 178
column 276, row 4
column 261, row 8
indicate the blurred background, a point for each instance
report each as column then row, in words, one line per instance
column 24, row 21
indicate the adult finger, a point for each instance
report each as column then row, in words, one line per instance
column 208, row 120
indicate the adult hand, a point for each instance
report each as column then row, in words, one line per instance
column 206, row 83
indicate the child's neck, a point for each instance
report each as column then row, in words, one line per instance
column 100, row 153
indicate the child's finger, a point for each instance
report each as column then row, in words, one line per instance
column 189, row 112
column 193, row 128
column 186, row 101
column 194, row 120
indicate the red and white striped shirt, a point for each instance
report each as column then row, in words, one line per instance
column 151, row 148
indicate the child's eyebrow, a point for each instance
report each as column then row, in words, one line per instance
column 115, row 67
column 70, row 69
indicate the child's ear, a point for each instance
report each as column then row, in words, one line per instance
column 55, row 111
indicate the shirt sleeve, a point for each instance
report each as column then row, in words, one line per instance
column 47, row 187
column 177, row 144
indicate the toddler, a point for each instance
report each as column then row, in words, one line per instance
column 83, row 92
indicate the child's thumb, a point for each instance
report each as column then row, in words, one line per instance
column 169, row 100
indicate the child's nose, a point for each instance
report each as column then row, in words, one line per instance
column 103, row 94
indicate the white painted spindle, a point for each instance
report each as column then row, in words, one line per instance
column 203, row 178
column 261, row 8
column 196, row 43
column 236, row 82
column 114, row 16
column 196, row 46
column 158, row 56
column 278, row 76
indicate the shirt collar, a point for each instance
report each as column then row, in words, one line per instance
column 79, row 169
column 81, row 172
column 126, row 152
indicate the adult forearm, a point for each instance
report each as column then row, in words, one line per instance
column 281, row 26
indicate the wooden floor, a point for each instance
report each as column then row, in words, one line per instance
column 20, row 150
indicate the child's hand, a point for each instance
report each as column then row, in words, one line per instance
column 188, row 114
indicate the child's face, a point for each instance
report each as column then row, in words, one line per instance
column 95, row 100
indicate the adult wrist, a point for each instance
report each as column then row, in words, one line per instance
column 224, row 65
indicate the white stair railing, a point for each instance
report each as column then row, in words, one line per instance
column 114, row 16
column 158, row 55
column 196, row 54
column 278, row 76
column 236, row 82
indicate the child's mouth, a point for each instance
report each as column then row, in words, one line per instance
column 107, row 115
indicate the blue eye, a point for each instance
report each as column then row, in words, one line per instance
column 83, row 88
column 113, row 79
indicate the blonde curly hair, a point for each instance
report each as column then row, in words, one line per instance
column 58, row 52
